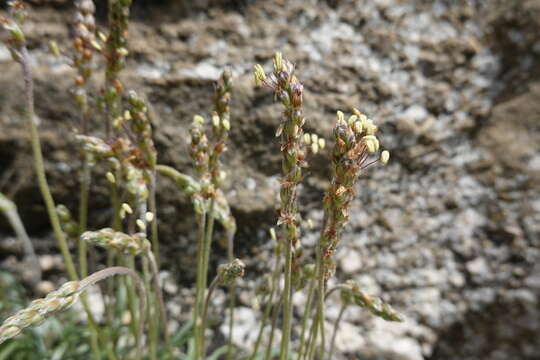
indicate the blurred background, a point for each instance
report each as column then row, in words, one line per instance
column 448, row 232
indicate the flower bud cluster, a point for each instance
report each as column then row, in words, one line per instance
column 200, row 154
column 16, row 39
column 228, row 273
column 70, row 226
column 355, row 141
column 84, row 43
column 119, row 241
column 221, row 125
column 39, row 310
column 352, row 294
column 116, row 42
column 95, row 147
column 289, row 91
column 136, row 117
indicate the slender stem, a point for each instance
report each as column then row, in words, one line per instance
column 273, row 329
column 38, row 164
column 320, row 309
column 307, row 313
column 118, row 270
column 10, row 211
column 211, row 289
column 208, row 239
column 200, row 287
column 207, row 246
column 152, row 328
column 83, row 214
column 109, row 308
column 313, row 337
column 336, row 288
column 232, row 296
column 130, row 260
column 268, row 307
column 287, row 303
column 159, row 295
column 154, row 224
column 42, row 181
column 336, row 326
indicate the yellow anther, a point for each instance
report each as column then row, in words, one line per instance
column 352, row 119
column 215, row 120
column 149, row 216
column 385, row 155
column 141, row 225
column 127, row 208
column 110, row 176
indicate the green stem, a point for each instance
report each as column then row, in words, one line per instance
column 204, row 317
column 268, row 307
column 152, row 328
column 273, row 329
column 320, row 309
column 83, row 214
column 307, row 312
column 313, row 337
column 131, row 301
column 336, row 326
column 44, row 186
column 200, row 287
column 208, row 240
column 232, row 297
column 9, row 209
column 161, row 304
column 154, row 224
column 287, row 303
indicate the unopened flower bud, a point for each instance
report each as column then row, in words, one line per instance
column 53, row 45
column 273, row 234
column 198, row 119
column 340, row 116
column 278, row 61
column 322, row 143
column 96, row 45
column 310, row 224
column 352, row 119
column 358, row 127
column 260, row 76
column 314, row 138
column 307, row 138
column 122, row 52
column 315, row 147
column 102, row 36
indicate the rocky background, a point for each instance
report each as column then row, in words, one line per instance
column 448, row 232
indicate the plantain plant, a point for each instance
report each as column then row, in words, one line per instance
column 129, row 158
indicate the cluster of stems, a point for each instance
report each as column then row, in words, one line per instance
column 289, row 91
column 131, row 241
column 205, row 152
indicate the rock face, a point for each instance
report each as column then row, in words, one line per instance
column 448, row 232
